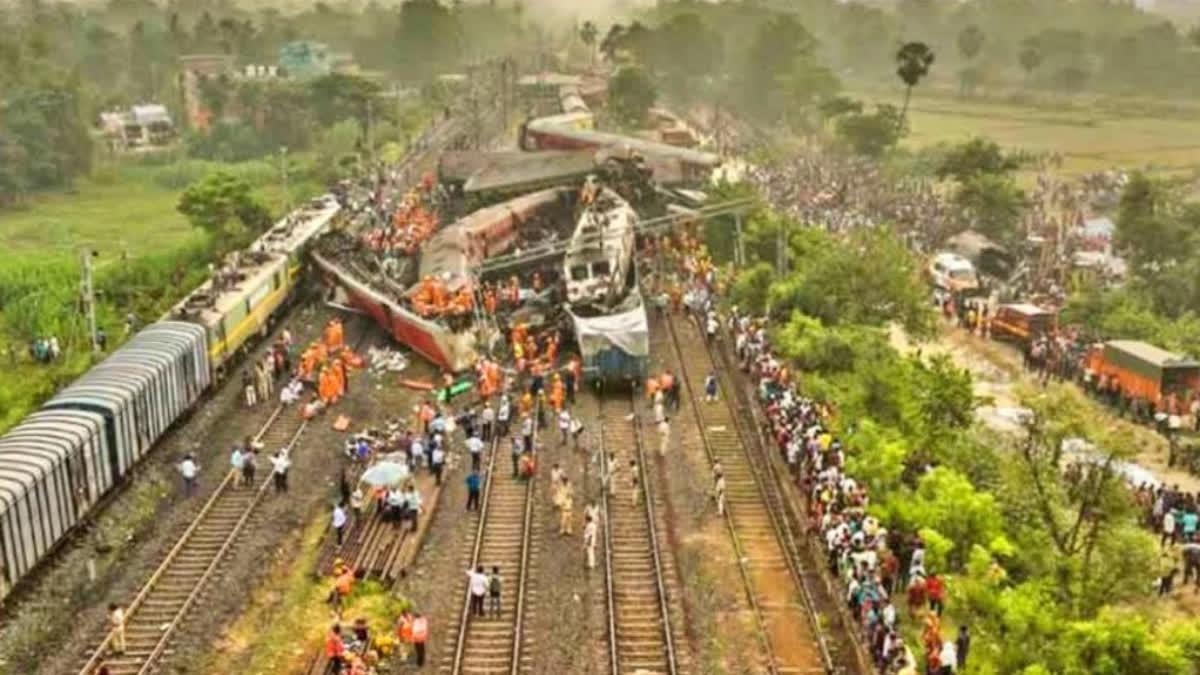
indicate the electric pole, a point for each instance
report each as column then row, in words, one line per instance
column 287, row 195
column 89, row 297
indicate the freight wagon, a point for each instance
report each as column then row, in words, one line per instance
column 59, row 462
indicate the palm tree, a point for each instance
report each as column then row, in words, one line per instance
column 913, row 62
column 970, row 42
column 612, row 41
column 1030, row 56
column 588, row 34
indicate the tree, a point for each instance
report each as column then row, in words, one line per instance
column 1148, row 230
column 1071, row 79
column 338, row 96
column 970, row 42
column 994, row 204
column 612, row 42
column 222, row 205
column 872, row 134
column 631, row 93
column 587, row 34
column 782, row 79
column 871, row 278
column 912, row 64
column 1030, row 56
column 974, row 157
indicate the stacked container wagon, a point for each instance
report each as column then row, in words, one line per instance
column 59, row 462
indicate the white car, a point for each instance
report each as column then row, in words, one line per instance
column 952, row 272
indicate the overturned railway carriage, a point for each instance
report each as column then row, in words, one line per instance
column 454, row 255
column 59, row 462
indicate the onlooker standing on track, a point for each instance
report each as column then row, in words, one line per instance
column 420, row 635
column 710, row 387
column 475, row 447
column 527, row 432
column 664, row 434
column 566, row 504
column 495, row 588
column 334, row 649
column 503, row 415
column 487, row 421
column 719, row 492
column 564, row 425
column 116, row 619
column 248, row 389
column 589, row 540
column 249, row 466
column 518, row 447
column 473, row 481
column 437, row 461
column 576, row 430
column 478, row 585
column 339, row 522
column 189, row 468
column 279, row 470
column 237, row 461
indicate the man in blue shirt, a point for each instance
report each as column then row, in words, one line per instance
column 473, row 490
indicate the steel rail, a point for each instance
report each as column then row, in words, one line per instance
column 152, row 660
column 101, row 651
column 660, row 585
column 748, row 586
column 770, row 482
column 460, row 646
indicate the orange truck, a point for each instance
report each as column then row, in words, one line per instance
column 1146, row 372
column 1022, row 322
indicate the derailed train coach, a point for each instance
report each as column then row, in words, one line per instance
column 60, row 461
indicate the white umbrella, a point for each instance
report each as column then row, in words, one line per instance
column 385, row 473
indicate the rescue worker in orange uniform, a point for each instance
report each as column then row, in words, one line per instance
column 489, row 300
column 420, row 635
column 557, row 393
column 552, row 350
column 651, row 388
column 335, row 651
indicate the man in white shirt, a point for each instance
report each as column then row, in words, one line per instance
column 339, row 522
column 664, row 434
column 564, row 425
column 477, row 585
column 503, row 415
column 188, row 468
column 589, row 540
column 475, row 446
column 437, row 460
column 487, row 420
column 279, row 470
column 237, row 462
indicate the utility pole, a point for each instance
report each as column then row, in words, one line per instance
column 370, row 145
column 739, row 251
column 89, row 295
column 781, row 249
column 287, row 195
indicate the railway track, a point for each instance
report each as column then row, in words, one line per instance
column 163, row 603
column 503, row 538
column 777, row 583
column 639, row 617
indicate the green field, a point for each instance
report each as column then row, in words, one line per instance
column 1089, row 137
column 111, row 216
column 128, row 208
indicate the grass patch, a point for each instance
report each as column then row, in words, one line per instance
column 1090, row 136
column 286, row 623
